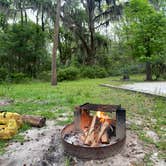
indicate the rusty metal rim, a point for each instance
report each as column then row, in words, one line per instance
column 86, row 152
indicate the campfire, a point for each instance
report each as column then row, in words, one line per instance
column 98, row 131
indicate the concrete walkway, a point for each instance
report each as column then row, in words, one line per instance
column 153, row 88
column 158, row 88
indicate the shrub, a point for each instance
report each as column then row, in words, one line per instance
column 3, row 74
column 70, row 73
column 163, row 76
column 122, row 69
column 18, row 77
column 44, row 76
column 93, row 72
column 136, row 68
column 159, row 70
column 87, row 72
column 115, row 72
column 100, row 72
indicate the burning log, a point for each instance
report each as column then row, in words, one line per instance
column 104, row 126
column 98, row 130
column 34, row 121
column 90, row 135
column 105, row 138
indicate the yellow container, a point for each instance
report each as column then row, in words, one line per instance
column 9, row 124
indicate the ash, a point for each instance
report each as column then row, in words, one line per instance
column 74, row 138
column 77, row 138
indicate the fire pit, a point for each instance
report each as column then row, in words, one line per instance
column 98, row 131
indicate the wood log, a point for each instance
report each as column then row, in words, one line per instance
column 104, row 126
column 111, row 121
column 90, row 135
column 82, row 138
column 34, row 121
column 105, row 138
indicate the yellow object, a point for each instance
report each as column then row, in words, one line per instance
column 9, row 124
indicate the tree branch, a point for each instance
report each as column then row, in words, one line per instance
column 103, row 23
column 113, row 9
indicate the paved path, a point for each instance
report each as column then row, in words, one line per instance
column 153, row 88
column 158, row 88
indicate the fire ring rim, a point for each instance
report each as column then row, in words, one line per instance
column 90, row 153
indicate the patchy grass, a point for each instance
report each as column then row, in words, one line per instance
column 54, row 102
column 147, row 160
column 2, row 146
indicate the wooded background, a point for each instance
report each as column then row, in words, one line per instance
column 97, row 38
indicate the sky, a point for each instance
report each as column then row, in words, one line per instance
column 31, row 15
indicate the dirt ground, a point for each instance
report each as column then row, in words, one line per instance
column 42, row 147
column 4, row 102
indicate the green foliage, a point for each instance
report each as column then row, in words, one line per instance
column 133, row 69
column 70, row 73
column 3, row 21
column 159, row 70
column 2, row 146
column 73, row 73
column 163, row 75
column 88, row 72
column 120, row 61
column 44, row 76
column 66, row 46
column 93, row 72
column 145, row 32
column 100, row 72
column 12, row 77
column 121, row 69
column 3, row 74
column 23, row 49
column 146, row 29
column 18, row 77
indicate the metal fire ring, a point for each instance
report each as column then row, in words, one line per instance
column 90, row 152
column 101, row 152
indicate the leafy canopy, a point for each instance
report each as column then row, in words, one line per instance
column 146, row 31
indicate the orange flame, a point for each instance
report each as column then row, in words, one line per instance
column 102, row 116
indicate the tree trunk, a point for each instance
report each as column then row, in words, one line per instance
column 22, row 17
column 148, row 71
column 21, row 12
column 19, row 63
column 42, row 20
column 55, row 44
column 60, row 51
column 26, row 20
column 91, row 56
column 37, row 18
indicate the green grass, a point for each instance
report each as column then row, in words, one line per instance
column 2, row 146
column 39, row 98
